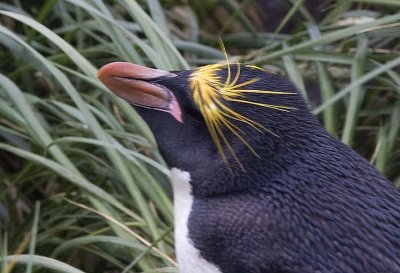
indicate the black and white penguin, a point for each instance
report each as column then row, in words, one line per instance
column 259, row 185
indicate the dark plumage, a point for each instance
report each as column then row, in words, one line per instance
column 308, row 203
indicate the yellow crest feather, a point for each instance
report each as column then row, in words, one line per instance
column 209, row 94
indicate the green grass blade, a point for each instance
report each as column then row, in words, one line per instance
column 69, row 175
column 357, row 93
column 43, row 262
column 367, row 77
column 328, row 38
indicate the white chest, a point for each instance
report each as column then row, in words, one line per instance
column 189, row 259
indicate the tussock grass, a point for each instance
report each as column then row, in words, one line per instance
column 83, row 187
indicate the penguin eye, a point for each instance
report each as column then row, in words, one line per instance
column 212, row 92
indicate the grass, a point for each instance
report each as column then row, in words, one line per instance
column 83, row 187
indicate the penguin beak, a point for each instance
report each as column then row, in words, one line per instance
column 137, row 85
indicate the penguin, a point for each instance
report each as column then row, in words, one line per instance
column 259, row 186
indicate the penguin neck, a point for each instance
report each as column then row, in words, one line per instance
column 277, row 155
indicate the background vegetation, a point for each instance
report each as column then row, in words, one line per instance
column 82, row 186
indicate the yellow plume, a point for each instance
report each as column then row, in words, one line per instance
column 210, row 93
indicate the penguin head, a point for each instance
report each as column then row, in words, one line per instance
column 218, row 115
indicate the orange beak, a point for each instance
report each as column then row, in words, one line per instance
column 134, row 83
